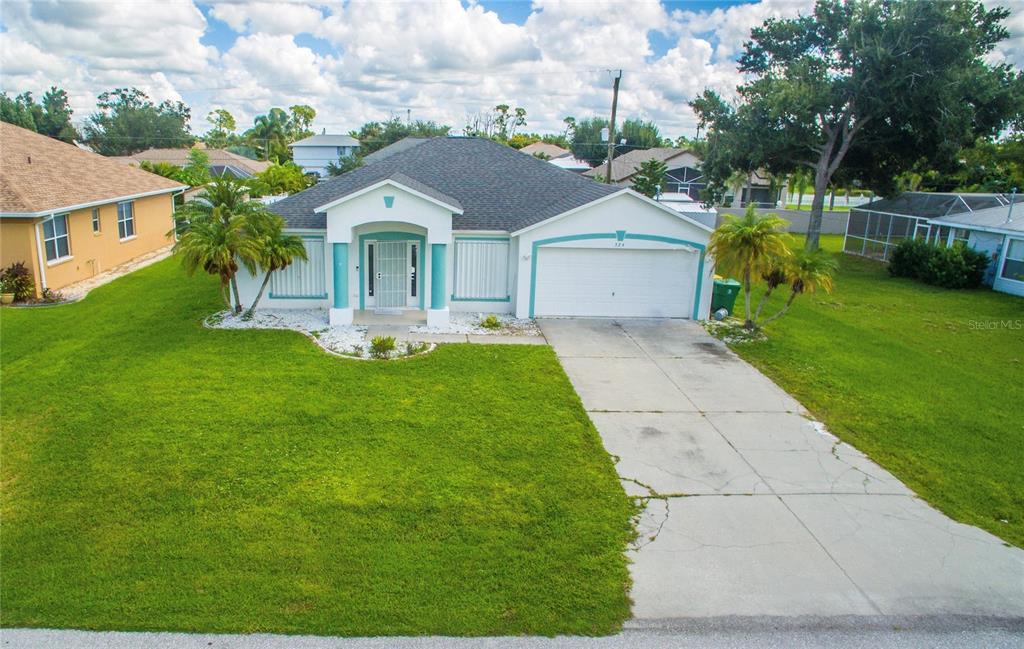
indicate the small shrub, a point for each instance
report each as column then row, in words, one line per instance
column 411, row 348
column 17, row 279
column 51, row 296
column 382, row 346
column 956, row 266
column 491, row 322
column 909, row 258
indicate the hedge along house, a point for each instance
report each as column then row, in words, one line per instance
column 990, row 223
column 467, row 224
column 998, row 231
column 69, row 214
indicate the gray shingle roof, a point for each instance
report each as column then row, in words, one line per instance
column 497, row 187
column 327, row 139
column 628, row 163
column 395, row 147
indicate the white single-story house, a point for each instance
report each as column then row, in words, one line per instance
column 467, row 224
column 991, row 223
column 314, row 153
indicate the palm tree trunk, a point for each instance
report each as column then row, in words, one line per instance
column 263, row 286
column 747, row 322
column 238, row 300
column 784, row 309
column 764, row 301
column 224, row 295
column 750, row 181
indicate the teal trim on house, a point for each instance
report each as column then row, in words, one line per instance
column 482, row 238
column 438, row 256
column 389, row 202
column 507, row 298
column 297, row 297
column 615, row 235
column 391, row 236
column 340, row 275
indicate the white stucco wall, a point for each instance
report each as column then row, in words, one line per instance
column 314, row 159
column 368, row 213
column 467, row 306
column 249, row 285
column 627, row 212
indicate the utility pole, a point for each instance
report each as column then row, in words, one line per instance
column 611, row 127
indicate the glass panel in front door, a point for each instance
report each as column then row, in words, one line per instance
column 391, row 268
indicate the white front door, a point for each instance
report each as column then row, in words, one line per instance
column 392, row 275
column 602, row 282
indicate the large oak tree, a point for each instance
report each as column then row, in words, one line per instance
column 869, row 85
column 128, row 122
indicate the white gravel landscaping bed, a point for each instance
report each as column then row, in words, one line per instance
column 469, row 323
column 348, row 341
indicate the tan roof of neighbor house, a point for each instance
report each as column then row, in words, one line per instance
column 39, row 174
column 550, row 150
column 626, row 164
column 179, row 157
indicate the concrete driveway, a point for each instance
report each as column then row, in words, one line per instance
column 753, row 509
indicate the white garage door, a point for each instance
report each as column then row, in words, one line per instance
column 615, row 283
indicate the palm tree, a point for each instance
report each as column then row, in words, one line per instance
column 270, row 133
column 801, row 180
column 277, row 251
column 774, row 276
column 216, row 245
column 806, row 272
column 224, row 200
column 747, row 245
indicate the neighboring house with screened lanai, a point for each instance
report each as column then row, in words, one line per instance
column 70, row 214
column 466, row 224
column 990, row 223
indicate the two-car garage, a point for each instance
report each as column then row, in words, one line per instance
column 615, row 282
column 622, row 257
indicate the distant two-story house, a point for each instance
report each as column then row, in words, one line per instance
column 69, row 214
column 314, row 153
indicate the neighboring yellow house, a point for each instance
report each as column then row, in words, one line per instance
column 70, row 214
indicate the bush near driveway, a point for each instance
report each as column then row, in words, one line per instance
column 162, row 476
column 924, row 380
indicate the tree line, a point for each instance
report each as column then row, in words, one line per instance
column 864, row 93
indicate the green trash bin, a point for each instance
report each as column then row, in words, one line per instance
column 723, row 296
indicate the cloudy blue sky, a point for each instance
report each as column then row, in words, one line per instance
column 361, row 60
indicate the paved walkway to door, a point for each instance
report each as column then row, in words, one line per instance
column 753, row 509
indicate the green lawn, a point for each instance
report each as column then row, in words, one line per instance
column 928, row 382
column 157, row 475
